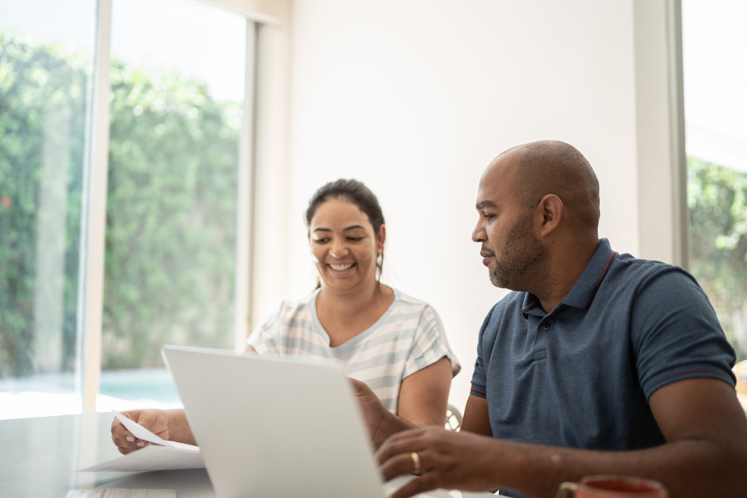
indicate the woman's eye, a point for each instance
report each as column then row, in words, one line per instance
column 321, row 241
column 355, row 239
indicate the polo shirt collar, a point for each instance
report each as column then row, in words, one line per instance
column 531, row 306
column 586, row 286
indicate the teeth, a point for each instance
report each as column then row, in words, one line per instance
column 341, row 267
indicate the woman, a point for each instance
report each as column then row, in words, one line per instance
column 391, row 342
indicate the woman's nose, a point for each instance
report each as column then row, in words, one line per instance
column 338, row 249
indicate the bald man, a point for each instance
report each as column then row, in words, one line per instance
column 597, row 363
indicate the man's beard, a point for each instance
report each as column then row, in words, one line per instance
column 521, row 251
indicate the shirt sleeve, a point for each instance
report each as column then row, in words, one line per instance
column 429, row 344
column 676, row 334
column 264, row 339
column 479, row 377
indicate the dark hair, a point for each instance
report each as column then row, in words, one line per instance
column 356, row 193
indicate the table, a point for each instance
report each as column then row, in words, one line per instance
column 38, row 457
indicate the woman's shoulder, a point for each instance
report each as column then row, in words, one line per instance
column 303, row 304
column 292, row 312
column 408, row 301
column 407, row 305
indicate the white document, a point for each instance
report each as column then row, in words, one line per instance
column 141, row 432
column 169, row 456
column 121, row 493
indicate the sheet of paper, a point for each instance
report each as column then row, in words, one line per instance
column 141, row 432
column 121, row 493
column 168, row 455
column 152, row 458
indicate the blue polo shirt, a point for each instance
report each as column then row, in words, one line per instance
column 581, row 375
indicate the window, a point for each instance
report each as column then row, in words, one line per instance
column 46, row 62
column 715, row 82
column 176, row 174
column 177, row 80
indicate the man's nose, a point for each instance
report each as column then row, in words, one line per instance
column 478, row 234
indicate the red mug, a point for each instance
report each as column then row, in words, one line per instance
column 612, row 486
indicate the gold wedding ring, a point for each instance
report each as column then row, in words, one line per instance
column 416, row 462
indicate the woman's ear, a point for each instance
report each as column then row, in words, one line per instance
column 381, row 239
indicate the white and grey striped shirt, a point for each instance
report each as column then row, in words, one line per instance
column 408, row 337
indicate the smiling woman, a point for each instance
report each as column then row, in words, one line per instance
column 390, row 341
column 393, row 345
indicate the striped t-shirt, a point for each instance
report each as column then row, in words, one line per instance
column 408, row 337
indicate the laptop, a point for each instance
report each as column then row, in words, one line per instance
column 275, row 426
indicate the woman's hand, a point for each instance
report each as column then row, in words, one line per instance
column 170, row 425
column 156, row 421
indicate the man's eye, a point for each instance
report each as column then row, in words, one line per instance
column 488, row 216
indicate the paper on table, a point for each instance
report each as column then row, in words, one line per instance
column 151, row 458
column 170, row 456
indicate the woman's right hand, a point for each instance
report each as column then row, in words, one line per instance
column 156, row 421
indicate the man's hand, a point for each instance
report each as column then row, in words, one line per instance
column 372, row 409
column 156, row 421
column 379, row 421
column 448, row 460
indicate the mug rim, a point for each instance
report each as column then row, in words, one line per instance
column 659, row 492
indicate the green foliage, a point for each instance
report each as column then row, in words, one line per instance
column 34, row 80
column 717, row 198
column 171, row 213
column 171, row 219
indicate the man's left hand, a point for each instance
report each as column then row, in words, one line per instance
column 448, row 460
column 371, row 408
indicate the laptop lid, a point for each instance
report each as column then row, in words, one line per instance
column 274, row 426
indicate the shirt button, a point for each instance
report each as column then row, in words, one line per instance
column 546, row 326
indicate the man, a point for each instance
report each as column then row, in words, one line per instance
column 598, row 363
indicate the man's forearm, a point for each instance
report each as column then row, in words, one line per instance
column 696, row 467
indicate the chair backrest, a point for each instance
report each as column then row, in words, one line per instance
column 453, row 418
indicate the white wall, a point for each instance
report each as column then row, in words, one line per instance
column 416, row 97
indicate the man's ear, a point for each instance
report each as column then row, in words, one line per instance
column 550, row 212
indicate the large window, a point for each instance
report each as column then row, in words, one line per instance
column 177, row 82
column 176, row 86
column 46, row 62
column 715, row 82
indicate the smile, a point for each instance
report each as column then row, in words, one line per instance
column 341, row 266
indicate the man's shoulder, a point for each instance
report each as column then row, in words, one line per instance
column 637, row 274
